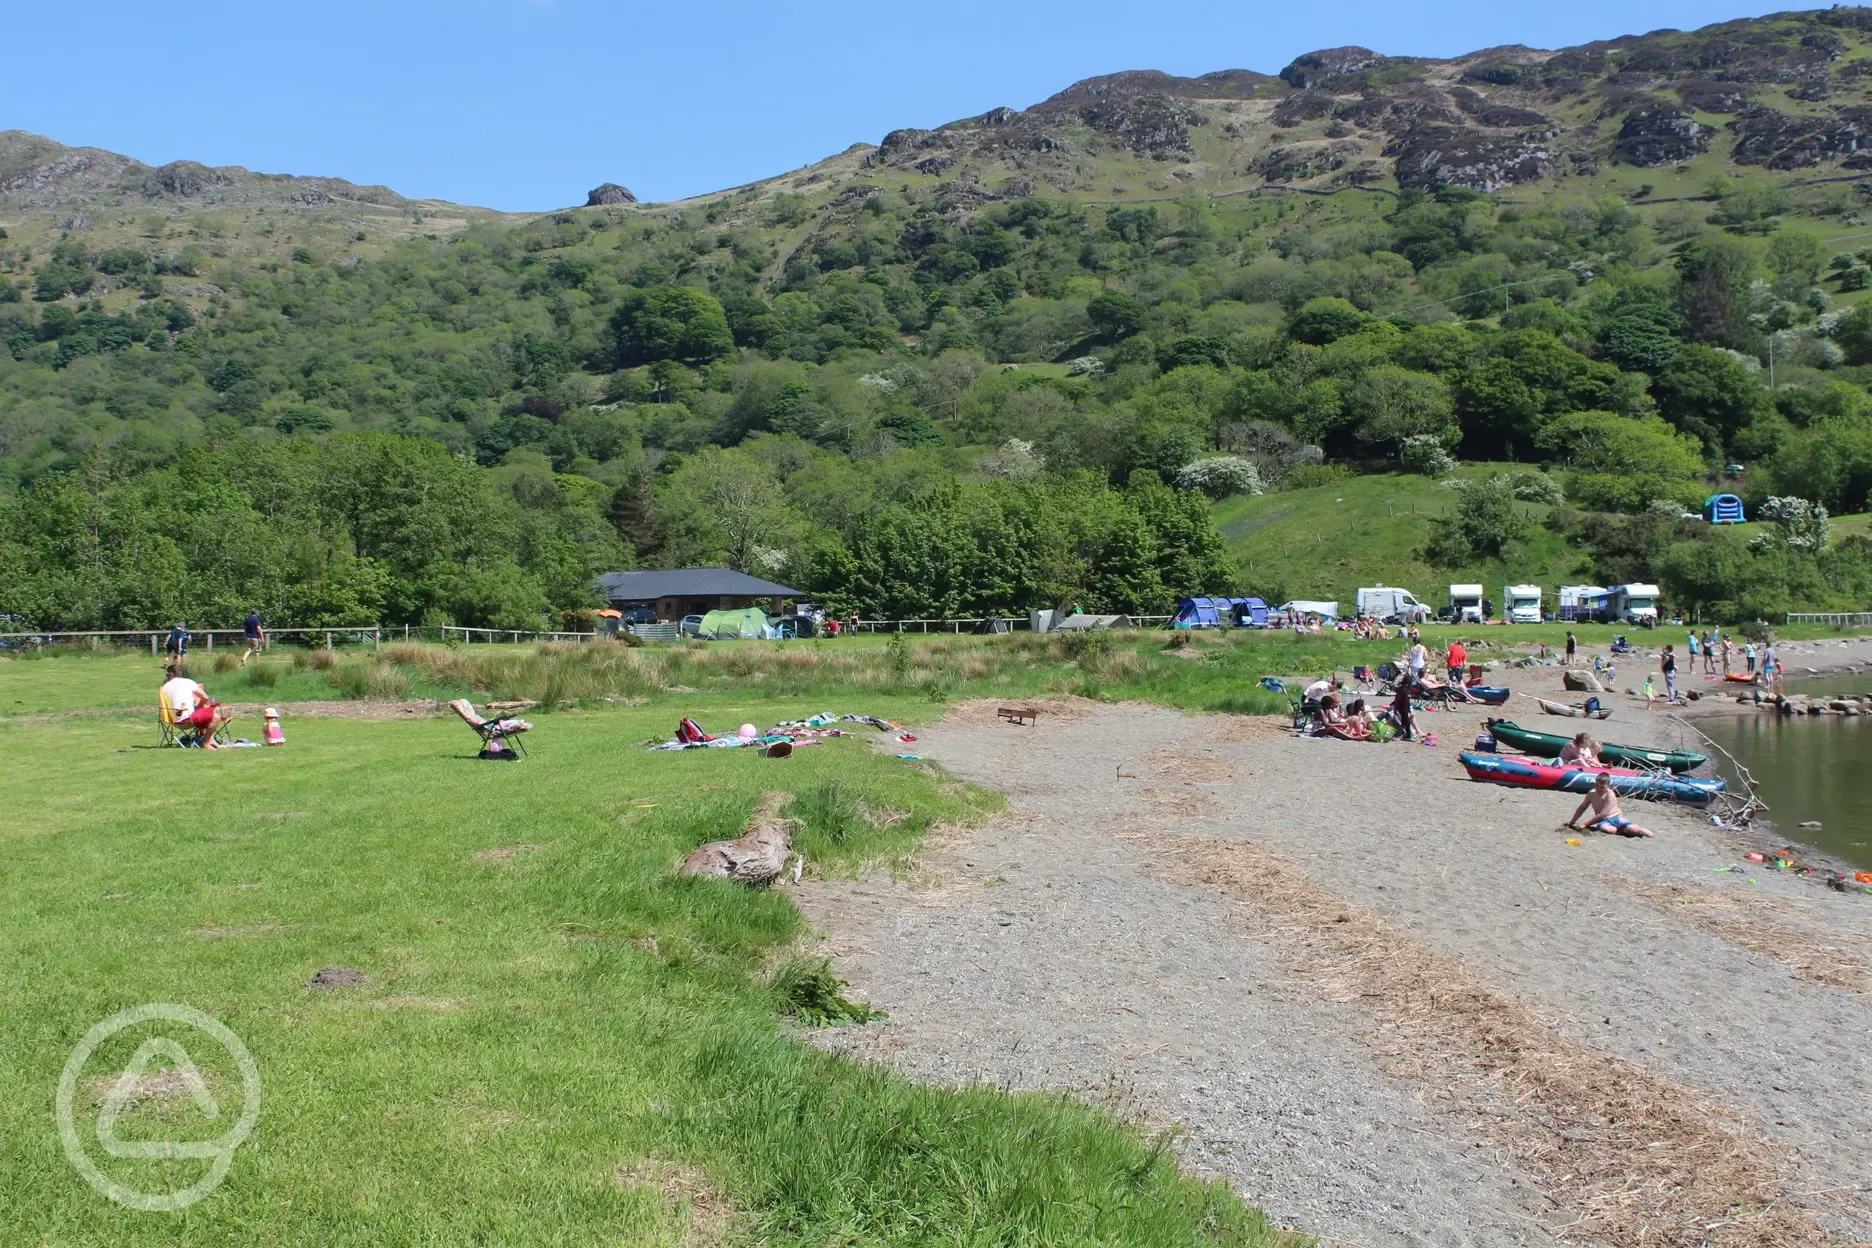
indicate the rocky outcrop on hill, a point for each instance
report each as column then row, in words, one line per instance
column 1431, row 156
column 1225, row 84
column 186, row 178
column 609, row 195
column 1709, row 96
column 1303, row 161
column 37, row 174
column 1778, row 140
column 1333, row 68
column 1656, row 133
column 1156, row 125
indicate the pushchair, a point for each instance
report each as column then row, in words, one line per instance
column 1299, row 708
column 1620, row 645
column 500, row 738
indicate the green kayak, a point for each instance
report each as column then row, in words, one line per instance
column 1547, row 745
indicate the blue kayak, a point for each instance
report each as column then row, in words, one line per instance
column 1529, row 773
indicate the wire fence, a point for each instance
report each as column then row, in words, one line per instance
column 1838, row 619
column 373, row 636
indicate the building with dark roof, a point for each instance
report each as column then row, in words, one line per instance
column 675, row 592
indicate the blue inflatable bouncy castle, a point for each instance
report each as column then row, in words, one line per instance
column 1723, row 509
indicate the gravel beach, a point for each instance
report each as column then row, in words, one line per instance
column 1389, row 1005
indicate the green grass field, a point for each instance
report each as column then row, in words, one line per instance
column 557, row 1040
column 565, row 1043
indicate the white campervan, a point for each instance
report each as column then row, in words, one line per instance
column 1521, row 604
column 1390, row 605
column 1465, row 604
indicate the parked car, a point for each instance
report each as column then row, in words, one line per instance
column 640, row 615
column 689, row 625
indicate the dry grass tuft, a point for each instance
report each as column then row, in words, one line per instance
column 1741, row 921
column 1183, row 803
column 501, row 853
column 1637, row 1159
column 686, row 1193
column 211, row 931
column 1190, row 767
column 1245, row 729
column 983, row 710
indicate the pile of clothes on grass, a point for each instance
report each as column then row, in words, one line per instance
column 778, row 741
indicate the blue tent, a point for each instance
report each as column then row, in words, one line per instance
column 1200, row 613
column 1248, row 612
column 1723, row 509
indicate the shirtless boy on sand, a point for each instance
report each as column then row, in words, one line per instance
column 1606, row 813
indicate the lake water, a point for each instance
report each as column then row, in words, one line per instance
column 1809, row 768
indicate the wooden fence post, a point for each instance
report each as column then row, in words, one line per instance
column 328, row 644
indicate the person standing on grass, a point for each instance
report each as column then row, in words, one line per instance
column 1456, row 658
column 176, row 646
column 256, row 636
column 1668, row 665
column 1572, row 647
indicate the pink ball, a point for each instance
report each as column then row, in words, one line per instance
column 749, row 731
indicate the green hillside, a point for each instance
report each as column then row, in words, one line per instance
column 990, row 366
column 1326, row 541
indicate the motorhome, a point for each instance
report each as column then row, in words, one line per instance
column 1521, row 604
column 1580, row 602
column 1465, row 604
column 1387, row 604
column 1635, row 603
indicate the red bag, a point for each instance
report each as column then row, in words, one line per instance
column 689, row 732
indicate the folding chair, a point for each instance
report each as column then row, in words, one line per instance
column 166, row 725
column 500, row 738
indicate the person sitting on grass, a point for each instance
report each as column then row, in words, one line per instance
column 1607, row 815
column 1581, row 751
column 191, row 706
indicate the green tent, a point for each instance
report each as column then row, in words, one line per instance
column 746, row 622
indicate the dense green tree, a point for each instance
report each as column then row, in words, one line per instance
column 1116, row 315
column 677, row 323
column 1623, row 464
column 1713, row 292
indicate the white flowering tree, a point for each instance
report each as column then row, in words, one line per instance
column 1219, row 476
column 1799, row 524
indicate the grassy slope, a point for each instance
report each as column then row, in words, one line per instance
column 531, row 1026
column 1327, row 541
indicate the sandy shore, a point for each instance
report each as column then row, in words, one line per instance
column 1389, row 1005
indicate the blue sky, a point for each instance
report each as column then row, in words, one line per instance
column 526, row 104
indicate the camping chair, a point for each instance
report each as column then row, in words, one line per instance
column 500, row 738
column 172, row 731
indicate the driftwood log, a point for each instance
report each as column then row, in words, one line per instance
column 755, row 857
